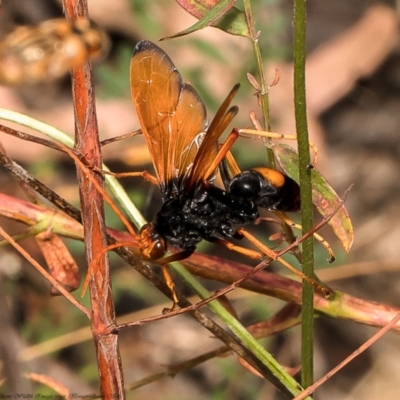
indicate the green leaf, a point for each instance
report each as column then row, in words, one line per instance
column 324, row 197
column 200, row 8
column 219, row 14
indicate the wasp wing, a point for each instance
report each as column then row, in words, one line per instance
column 208, row 149
column 191, row 127
column 171, row 114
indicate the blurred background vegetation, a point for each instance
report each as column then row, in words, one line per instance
column 356, row 131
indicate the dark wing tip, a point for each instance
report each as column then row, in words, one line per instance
column 145, row 45
column 145, row 49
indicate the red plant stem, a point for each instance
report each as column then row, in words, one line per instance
column 340, row 305
column 87, row 145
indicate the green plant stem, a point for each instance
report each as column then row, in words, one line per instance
column 299, row 25
column 261, row 76
column 241, row 332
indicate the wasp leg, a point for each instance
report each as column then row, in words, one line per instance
column 317, row 236
column 171, row 286
column 270, row 253
column 274, row 135
column 239, row 249
column 224, row 149
column 120, row 137
column 144, row 174
column 266, row 252
column 167, row 276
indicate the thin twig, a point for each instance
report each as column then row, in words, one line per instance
column 351, row 357
column 40, row 269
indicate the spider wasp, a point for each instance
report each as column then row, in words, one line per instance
column 185, row 155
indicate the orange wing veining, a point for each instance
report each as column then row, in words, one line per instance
column 171, row 114
column 191, row 127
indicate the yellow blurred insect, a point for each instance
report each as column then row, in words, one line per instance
column 32, row 54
